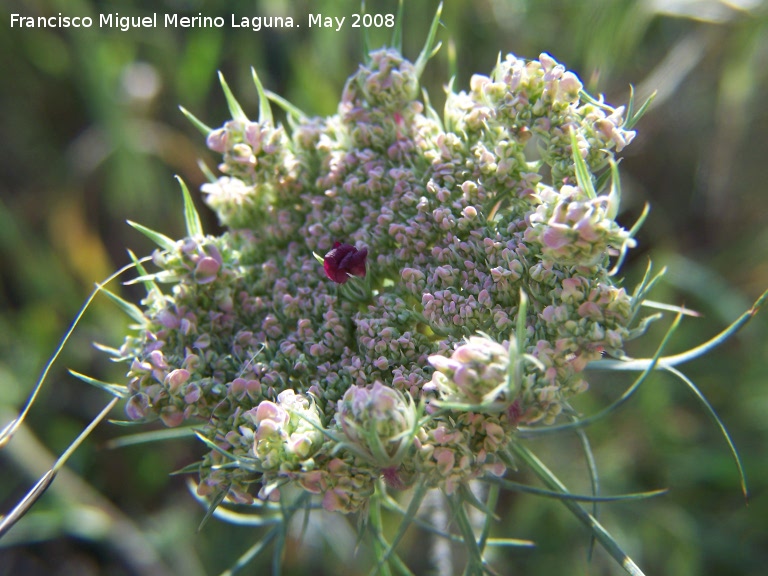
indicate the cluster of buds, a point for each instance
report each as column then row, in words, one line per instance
column 377, row 424
column 475, row 374
column 287, row 433
column 573, row 230
column 367, row 364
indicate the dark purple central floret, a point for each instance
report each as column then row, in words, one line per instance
column 343, row 261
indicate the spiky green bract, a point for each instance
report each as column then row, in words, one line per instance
column 601, row 534
column 202, row 127
column 234, row 106
column 429, row 48
column 8, row 520
column 160, row 239
column 6, row 434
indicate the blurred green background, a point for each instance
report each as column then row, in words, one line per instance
column 90, row 135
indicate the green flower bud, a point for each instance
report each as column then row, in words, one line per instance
column 377, row 423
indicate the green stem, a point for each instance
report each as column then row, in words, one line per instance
column 379, row 548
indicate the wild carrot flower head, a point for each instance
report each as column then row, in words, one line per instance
column 448, row 220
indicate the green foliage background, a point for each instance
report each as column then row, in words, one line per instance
column 90, row 135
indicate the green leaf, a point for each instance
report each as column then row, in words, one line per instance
column 453, row 65
column 490, row 504
column 252, row 552
column 9, row 520
column 215, row 447
column 515, row 370
column 511, row 542
column 109, row 350
column 594, row 477
column 469, row 497
column 632, row 233
column 234, row 106
column 265, row 111
column 282, row 537
column 191, row 217
column 465, row 527
column 640, row 221
column 643, row 289
column 252, row 520
column 10, row 429
column 160, row 239
column 193, row 468
column 430, row 112
column 203, row 128
column 131, row 423
column 671, row 308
